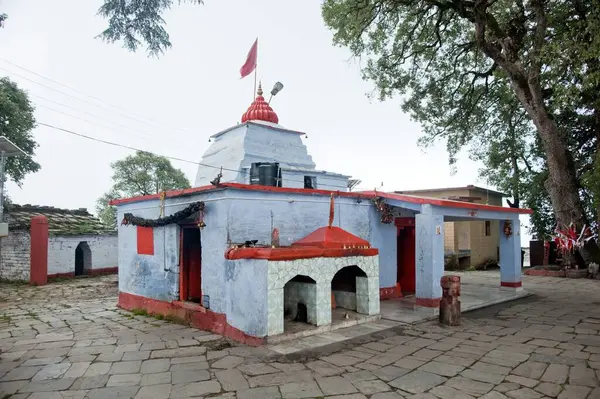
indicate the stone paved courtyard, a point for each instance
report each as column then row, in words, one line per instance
column 69, row 340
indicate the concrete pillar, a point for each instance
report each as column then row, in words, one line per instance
column 38, row 273
column 429, row 257
column 510, row 256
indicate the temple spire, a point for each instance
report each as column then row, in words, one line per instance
column 260, row 110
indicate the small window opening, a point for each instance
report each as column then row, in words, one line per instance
column 310, row 182
column 488, row 228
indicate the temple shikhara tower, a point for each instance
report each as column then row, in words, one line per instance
column 267, row 247
column 277, row 153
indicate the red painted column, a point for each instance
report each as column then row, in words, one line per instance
column 38, row 273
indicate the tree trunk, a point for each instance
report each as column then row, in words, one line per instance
column 562, row 181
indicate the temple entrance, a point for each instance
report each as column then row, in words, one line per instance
column 190, row 265
column 299, row 303
column 83, row 259
column 344, row 288
column 406, row 273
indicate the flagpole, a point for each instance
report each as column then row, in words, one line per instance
column 255, row 69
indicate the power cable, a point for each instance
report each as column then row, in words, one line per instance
column 82, row 100
column 84, row 112
column 165, row 156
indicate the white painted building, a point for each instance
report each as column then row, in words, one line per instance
column 78, row 243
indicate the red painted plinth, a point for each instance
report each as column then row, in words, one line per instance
column 38, row 271
column 390, row 292
column 92, row 272
column 428, row 302
column 515, row 284
column 191, row 313
column 545, row 273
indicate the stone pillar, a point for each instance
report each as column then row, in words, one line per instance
column 367, row 295
column 450, row 304
column 323, row 302
column 275, row 311
column 38, row 274
column 429, row 257
column 510, row 256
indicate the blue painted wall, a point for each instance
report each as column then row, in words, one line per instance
column 246, row 293
column 239, row 288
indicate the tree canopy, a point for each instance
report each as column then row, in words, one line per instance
column 138, row 22
column 140, row 174
column 454, row 61
column 16, row 123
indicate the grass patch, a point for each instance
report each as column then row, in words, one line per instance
column 218, row 345
column 33, row 315
column 14, row 282
column 174, row 319
column 54, row 280
column 159, row 317
column 5, row 319
column 139, row 312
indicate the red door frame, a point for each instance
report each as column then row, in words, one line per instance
column 184, row 269
column 406, row 268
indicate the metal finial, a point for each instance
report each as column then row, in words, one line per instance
column 259, row 91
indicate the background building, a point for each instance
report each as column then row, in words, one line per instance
column 78, row 243
column 468, row 243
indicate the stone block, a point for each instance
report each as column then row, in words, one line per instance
column 296, row 390
column 232, row 380
column 417, row 381
column 335, row 386
column 195, row 389
column 123, row 380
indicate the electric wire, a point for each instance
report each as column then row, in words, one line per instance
column 155, row 122
column 104, row 119
column 85, row 136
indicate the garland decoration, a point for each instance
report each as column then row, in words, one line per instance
column 128, row 218
column 387, row 216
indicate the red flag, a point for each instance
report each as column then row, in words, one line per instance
column 250, row 64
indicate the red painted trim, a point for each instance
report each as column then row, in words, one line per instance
column 145, row 240
column 515, row 284
column 61, row 275
column 288, row 253
column 447, row 203
column 545, row 273
column 183, row 282
column 428, row 302
column 405, row 222
column 103, row 270
column 38, row 266
column 390, row 292
column 93, row 272
column 361, row 194
column 193, row 314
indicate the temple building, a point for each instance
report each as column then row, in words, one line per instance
column 266, row 244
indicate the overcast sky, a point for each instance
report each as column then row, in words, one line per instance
column 172, row 105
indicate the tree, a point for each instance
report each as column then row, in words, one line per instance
column 140, row 174
column 137, row 22
column 17, row 123
column 451, row 58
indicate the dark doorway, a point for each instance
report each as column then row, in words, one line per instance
column 83, row 259
column 78, row 261
column 406, row 255
column 190, row 280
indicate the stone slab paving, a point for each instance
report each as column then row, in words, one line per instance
column 69, row 340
